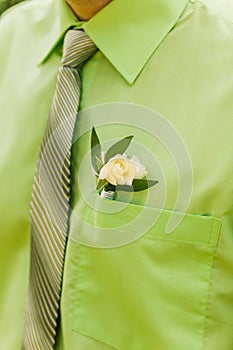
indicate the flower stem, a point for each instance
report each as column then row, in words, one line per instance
column 108, row 194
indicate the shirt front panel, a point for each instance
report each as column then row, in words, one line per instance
column 191, row 90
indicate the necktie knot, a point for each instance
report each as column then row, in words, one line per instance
column 78, row 48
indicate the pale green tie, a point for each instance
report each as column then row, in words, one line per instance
column 50, row 198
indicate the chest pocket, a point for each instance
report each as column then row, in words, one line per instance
column 151, row 293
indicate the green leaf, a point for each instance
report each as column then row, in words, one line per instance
column 99, row 164
column 101, row 184
column 118, row 148
column 110, row 187
column 95, row 150
column 137, row 185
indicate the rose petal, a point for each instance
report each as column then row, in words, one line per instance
column 122, row 170
column 103, row 172
column 140, row 170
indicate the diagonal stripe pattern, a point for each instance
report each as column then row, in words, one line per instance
column 50, row 198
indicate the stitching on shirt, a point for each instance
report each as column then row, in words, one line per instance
column 98, row 340
column 173, row 240
column 210, row 288
column 78, row 278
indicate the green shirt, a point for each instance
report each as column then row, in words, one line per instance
column 163, row 73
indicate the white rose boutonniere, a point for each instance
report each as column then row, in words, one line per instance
column 120, row 170
column 115, row 171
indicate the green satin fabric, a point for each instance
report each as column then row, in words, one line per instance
column 160, row 291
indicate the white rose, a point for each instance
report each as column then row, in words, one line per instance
column 120, row 170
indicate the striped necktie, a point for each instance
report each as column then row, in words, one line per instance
column 50, row 198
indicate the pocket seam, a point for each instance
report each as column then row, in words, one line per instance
column 78, row 295
column 210, row 285
column 214, row 231
column 96, row 339
column 174, row 240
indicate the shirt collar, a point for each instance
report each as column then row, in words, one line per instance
column 126, row 31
